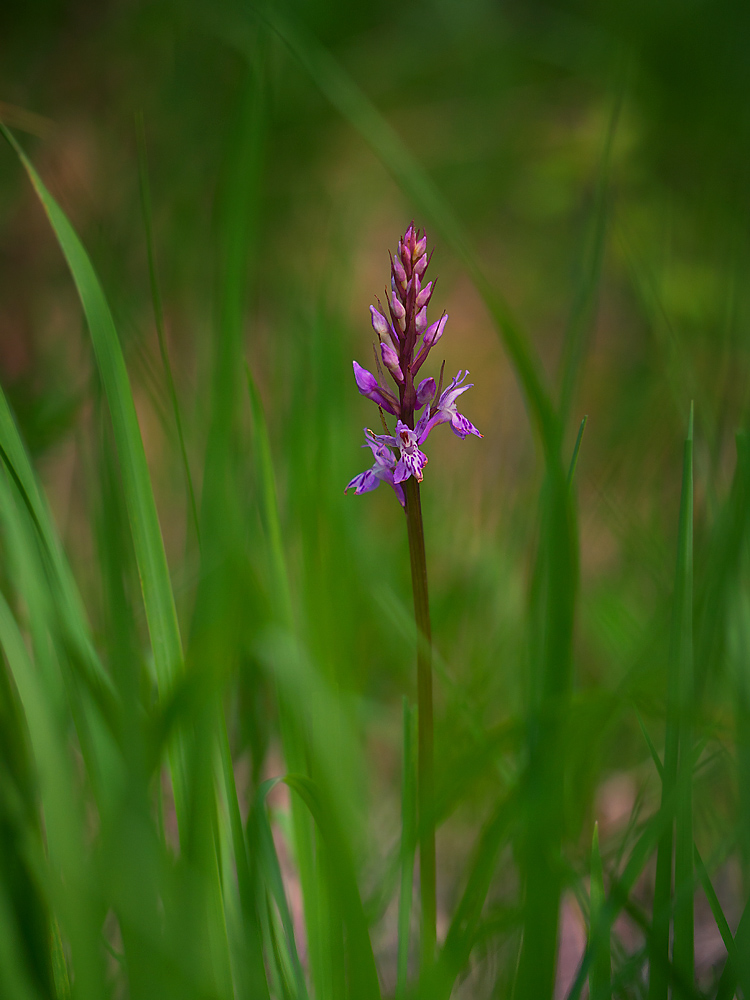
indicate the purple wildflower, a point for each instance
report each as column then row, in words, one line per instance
column 445, row 411
column 412, row 460
column 382, row 470
column 405, row 341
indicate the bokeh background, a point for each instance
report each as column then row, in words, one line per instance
column 595, row 158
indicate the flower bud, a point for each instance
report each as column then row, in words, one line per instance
column 380, row 324
column 425, row 392
column 422, row 320
column 420, row 248
column 435, row 332
column 421, row 266
column 390, row 360
column 399, row 313
column 424, row 295
column 398, row 273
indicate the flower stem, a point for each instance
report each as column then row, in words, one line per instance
column 427, row 876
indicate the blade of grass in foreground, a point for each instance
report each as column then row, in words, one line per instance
column 292, row 733
column 150, row 556
column 677, row 754
column 149, row 549
column 159, row 314
column 72, row 891
column 362, row 973
column 600, row 974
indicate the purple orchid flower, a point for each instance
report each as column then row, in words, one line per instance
column 412, row 460
column 382, row 470
column 445, row 410
column 405, row 340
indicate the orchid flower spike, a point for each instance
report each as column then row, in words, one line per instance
column 405, row 341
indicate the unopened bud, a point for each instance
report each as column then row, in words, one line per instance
column 379, row 323
column 422, row 320
column 397, row 307
column 435, row 332
column 424, row 295
column 390, row 360
column 425, row 392
column 399, row 274
column 421, row 266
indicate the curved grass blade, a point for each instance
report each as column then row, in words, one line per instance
column 149, row 548
column 73, row 625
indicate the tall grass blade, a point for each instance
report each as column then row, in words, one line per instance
column 576, row 450
column 71, row 887
column 147, row 540
column 260, row 842
column 159, row 313
column 600, row 974
column 677, row 754
column 362, row 973
column 148, row 546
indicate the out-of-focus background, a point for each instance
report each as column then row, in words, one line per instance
column 595, row 157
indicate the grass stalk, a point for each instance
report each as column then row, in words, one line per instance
column 159, row 312
column 677, row 752
column 425, row 723
column 600, row 973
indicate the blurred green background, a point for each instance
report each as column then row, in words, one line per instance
column 595, row 156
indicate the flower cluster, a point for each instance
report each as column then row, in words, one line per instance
column 404, row 341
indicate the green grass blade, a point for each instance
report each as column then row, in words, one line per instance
column 716, row 909
column 466, row 920
column 149, row 547
column 72, row 619
column 72, row 890
column 677, row 753
column 583, row 314
column 576, row 449
column 159, row 315
column 737, row 968
column 262, row 849
column 684, row 918
column 255, row 978
column 600, row 973
column 362, row 972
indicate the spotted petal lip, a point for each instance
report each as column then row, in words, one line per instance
column 412, row 460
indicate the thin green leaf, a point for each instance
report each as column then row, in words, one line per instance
column 149, row 547
column 363, row 976
column 600, row 973
column 159, row 315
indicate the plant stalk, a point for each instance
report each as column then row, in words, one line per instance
column 425, row 726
